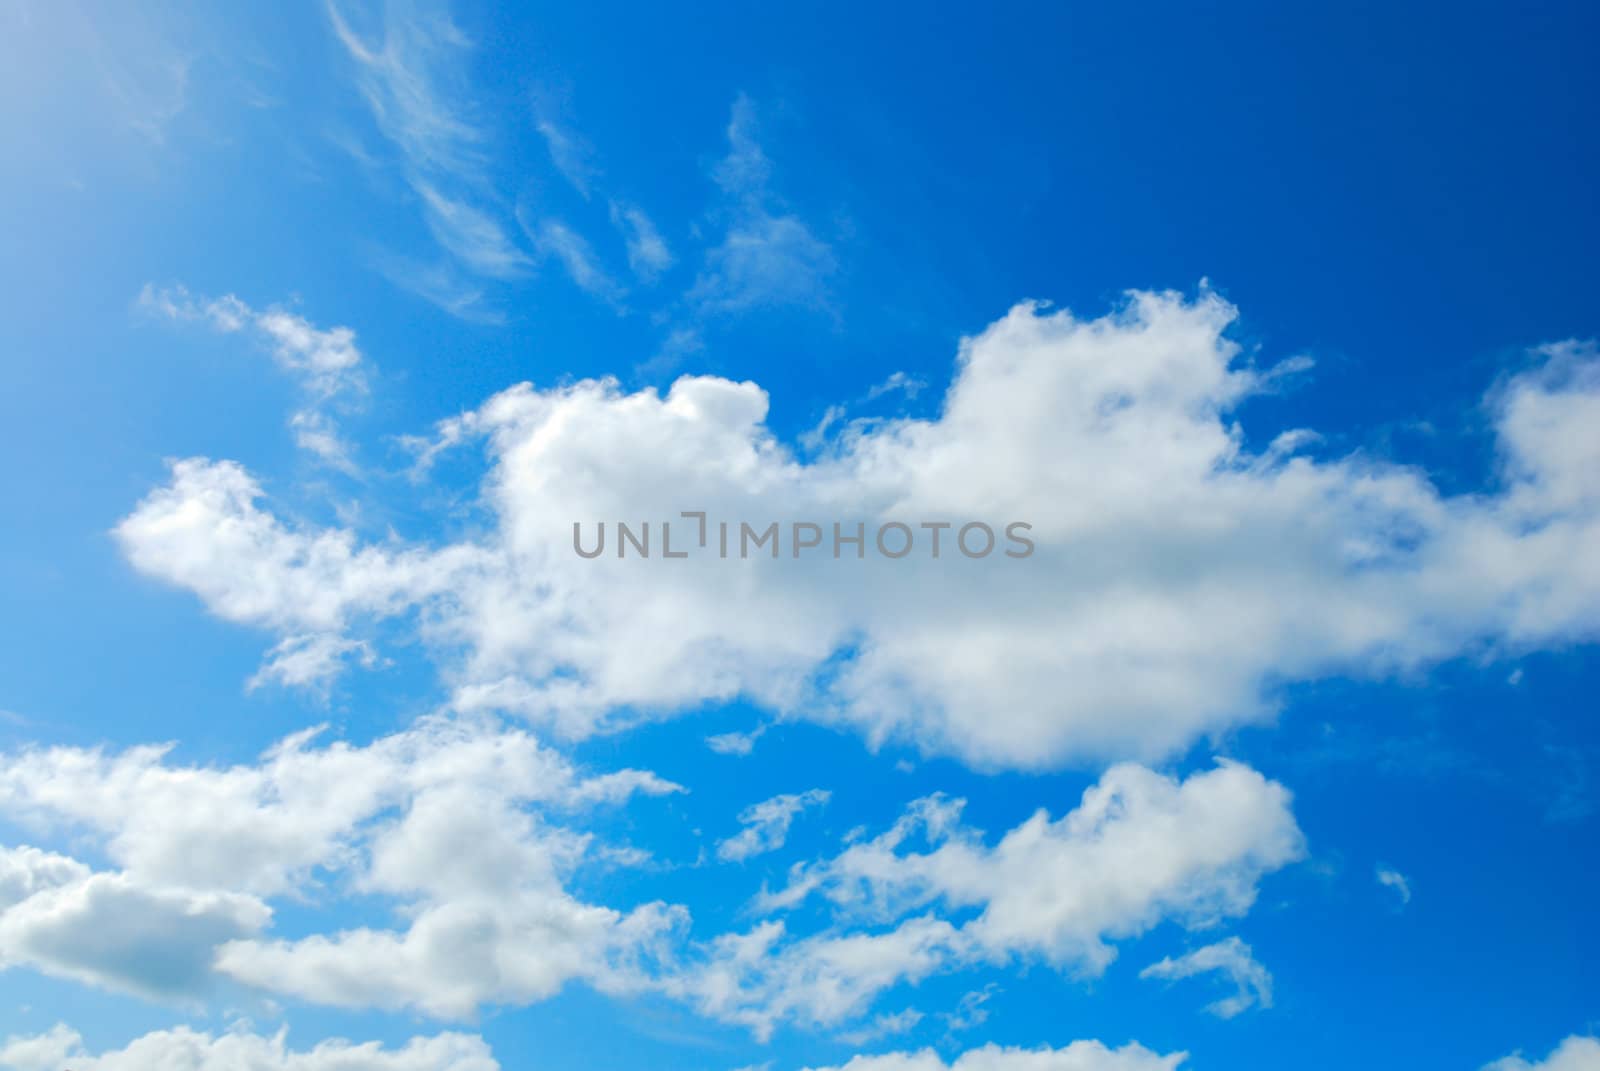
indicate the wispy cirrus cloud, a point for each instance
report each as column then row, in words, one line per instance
column 555, row 239
column 472, row 235
column 767, row 256
column 578, row 162
column 410, row 66
column 1231, row 958
column 570, row 152
column 648, row 255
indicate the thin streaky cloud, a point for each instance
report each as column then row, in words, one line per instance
column 411, row 71
column 1231, row 958
column 648, row 255
column 555, row 239
column 768, row 256
column 573, row 156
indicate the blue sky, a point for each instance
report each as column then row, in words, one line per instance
column 322, row 326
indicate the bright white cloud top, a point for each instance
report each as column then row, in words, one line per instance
column 1184, row 564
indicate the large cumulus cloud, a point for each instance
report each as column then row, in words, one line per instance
column 1180, row 575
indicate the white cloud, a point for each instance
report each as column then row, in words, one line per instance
column 1231, row 957
column 970, row 1010
column 474, row 237
column 766, row 824
column 648, row 255
column 552, row 238
column 1179, row 576
column 1575, row 1053
column 768, row 255
column 326, row 363
column 887, row 1025
column 736, row 743
column 1393, row 879
column 1078, row 1056
column 204, row 532
column 451, row 822
column 897, row 381
column 766, row 260
column 574, row 157
column 25, row 871
column 569, row 152
column 407, row 76
column 439, row 284
column 462, row 952
column 113, row 929
column 461, row 831
column 241, row 1050
column 762, row 978
column 310, row 661
column 1140, row 848
column 410, row 69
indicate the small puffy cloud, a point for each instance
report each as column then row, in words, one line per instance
column 1576, row 1053
column 310, row 661
column 763, row 977
column 736, row 743
column 1233, row 959
column 241, row 1050
column 1078, row 1056
column 1390, row 878
column 766, row 824
column 907, row 384
column 325, row 362
column 971, row 1010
